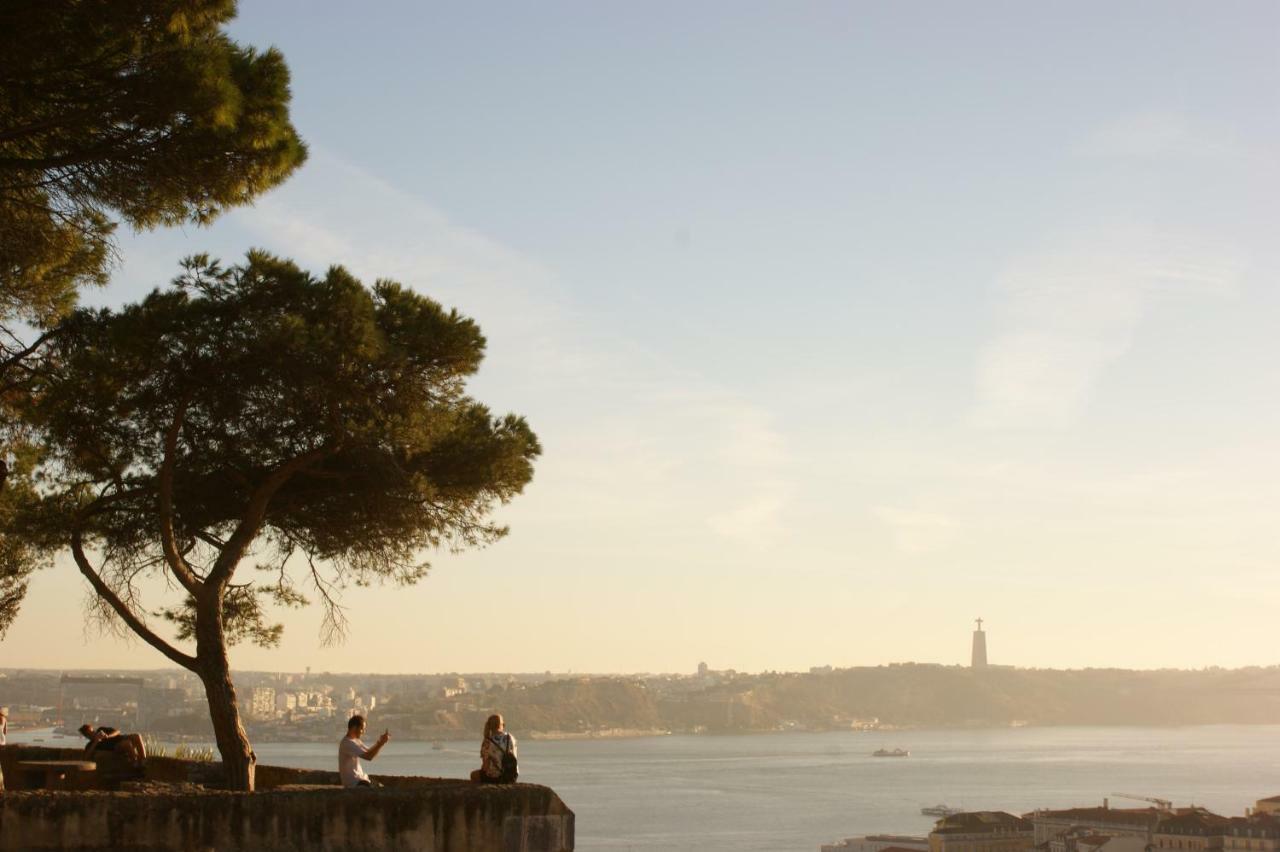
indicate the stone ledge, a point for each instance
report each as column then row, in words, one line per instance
column 293, row 814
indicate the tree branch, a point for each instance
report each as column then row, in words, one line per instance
column 126, row 615
column 256, row 512
column 172, row 556
column 333, row 628
column 17, row 357
column 211, row 540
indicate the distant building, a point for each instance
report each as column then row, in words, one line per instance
column 879, row 843
column 160, row 701
column 1193, row 830
column 1259, row 832
column 978, row 659
column 982, row 831
column 262, row 702
column 1269, row 806
column 1105, row 821
column 702, row 669
column 1087, row 839
column 1106, row 843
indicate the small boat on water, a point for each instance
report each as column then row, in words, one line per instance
column 437, row 746
column 895, row 752
column 940, row 811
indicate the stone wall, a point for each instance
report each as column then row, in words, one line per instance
column 292, row 810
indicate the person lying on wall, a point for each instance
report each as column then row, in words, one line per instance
column 107, row 738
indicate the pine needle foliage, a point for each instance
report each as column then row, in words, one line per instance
column 141, row 111
column 257, row 415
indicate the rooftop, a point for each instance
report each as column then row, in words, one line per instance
column 981, row 821
column 1125, row 816
column 1192, row 821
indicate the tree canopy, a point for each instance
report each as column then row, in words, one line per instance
column 141, row 110
column 19, row 555
column 308, row 423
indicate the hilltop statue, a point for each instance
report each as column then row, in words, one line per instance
column 978, row 660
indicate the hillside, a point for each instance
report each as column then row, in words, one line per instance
column 902, row 695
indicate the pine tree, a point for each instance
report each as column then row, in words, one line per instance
column 138, row 110
column 311, row 423
column 135, row 111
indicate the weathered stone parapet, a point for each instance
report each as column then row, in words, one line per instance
column 289, row 813
column 436, row 817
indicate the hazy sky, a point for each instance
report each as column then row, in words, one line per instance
column 841, row 325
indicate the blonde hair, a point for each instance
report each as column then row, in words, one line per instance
column 492, row 724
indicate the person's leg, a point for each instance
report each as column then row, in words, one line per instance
column 139, row 747
column 132, row 747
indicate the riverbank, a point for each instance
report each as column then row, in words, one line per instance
column 604, row 734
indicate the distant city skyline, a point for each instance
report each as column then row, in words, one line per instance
column 837, row 322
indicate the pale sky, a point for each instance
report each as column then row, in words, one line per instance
column 842, row 324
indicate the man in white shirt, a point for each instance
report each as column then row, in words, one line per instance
column 351, row 750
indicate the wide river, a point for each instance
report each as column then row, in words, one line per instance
column 796, row 791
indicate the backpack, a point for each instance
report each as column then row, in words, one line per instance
column 510, row 765
column 510, row 769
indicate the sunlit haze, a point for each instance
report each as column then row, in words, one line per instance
column 841, row 325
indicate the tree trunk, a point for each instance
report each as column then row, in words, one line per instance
column 238, row 759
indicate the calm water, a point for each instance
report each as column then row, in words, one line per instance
column 796, row 791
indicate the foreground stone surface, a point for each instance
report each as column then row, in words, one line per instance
column 291, row 811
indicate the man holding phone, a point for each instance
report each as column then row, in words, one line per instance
column 352, row 750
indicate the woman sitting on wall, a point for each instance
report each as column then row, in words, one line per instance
column 498, row 764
